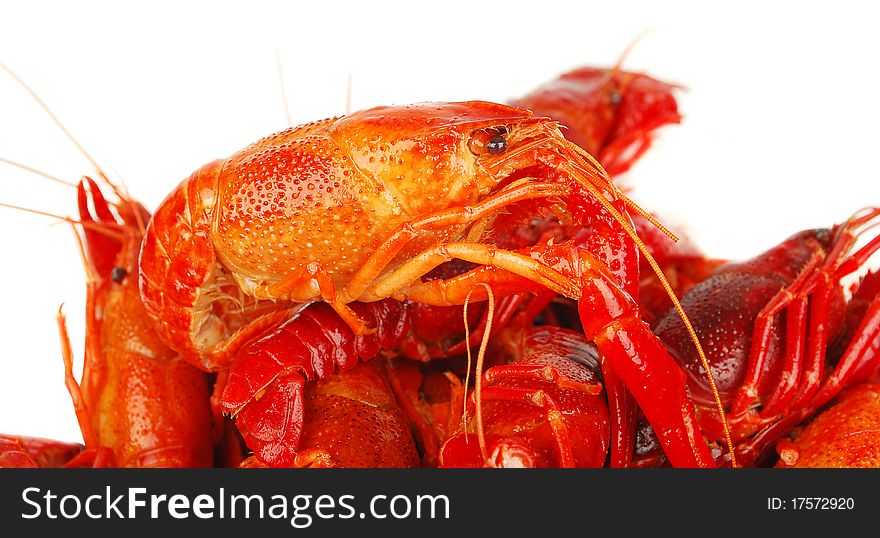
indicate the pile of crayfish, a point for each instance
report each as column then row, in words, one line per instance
column 460, row 285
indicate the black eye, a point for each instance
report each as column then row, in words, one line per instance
column 118, row 274
column 823, row 235
column 492, row 140
column 497, row 144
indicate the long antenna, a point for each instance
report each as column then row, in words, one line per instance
column 281, row 84
column 38, row 172
column 55, row 119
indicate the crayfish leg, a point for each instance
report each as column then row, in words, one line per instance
column 622, row 407
column 544, row 409
column 364, row 284
column 264, row 388
column 405, row 380
column 814, row 289
column 657, row 379
column 610, row 318
column 298, row 287
column 860, row 358
column 439, row 292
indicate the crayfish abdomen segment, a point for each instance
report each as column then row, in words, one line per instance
column 177, row 265
column 354, row 417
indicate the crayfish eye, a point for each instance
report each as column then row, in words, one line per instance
column 497, row 144
column 492, row 140
column 118, row 274
column 823, row 235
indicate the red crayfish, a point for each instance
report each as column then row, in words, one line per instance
column 260, row 283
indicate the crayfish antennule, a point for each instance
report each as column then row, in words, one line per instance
column 481, row 356
column 101, row 228
column 617, row 68
column 585, row 158
column 38, row 172
column 55, row 119
column 650, row 218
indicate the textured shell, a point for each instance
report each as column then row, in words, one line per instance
column 723, row 309
column 331, row 192
column 846, row 435
column 327, row 193
column 354, row 417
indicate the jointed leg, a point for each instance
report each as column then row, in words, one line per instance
column 543, row 400
column 83, row 416
column 388, row 250
column 747, row 394
column 313, row 281
column 622, row 409
column 812, row 289
column 860, row 357
column 299, row 286
column 440, row 293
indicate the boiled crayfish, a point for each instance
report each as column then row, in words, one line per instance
column 270, row 274
column 359, row 208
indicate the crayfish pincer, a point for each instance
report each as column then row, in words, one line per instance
column 360, row 208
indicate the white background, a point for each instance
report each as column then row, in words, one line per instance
column 780, row 128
